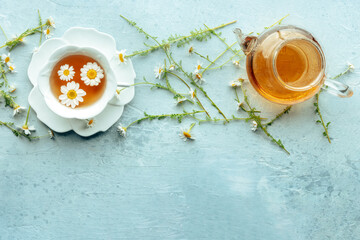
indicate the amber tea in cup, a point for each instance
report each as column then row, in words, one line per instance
column 76, row 73
column 286, row 65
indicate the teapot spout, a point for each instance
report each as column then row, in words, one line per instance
column 247, row 43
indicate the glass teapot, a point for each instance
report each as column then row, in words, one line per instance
column 286, row 65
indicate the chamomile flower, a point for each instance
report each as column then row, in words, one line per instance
column 121, row 56
column 236, row 63
column 236, row 83
column 50, row 22
column 91, row 74
column 51, row 134
column 171, row 67
column 72, row 95
column 198, row 66
column 118, row 91
column 5, row 58
column 11, row 67
column 239, row 105
column 12, row 88
column 66, row 72
column 90, row 123
column 122, row 130
column 254, row 126
column 185, row 135
column 180, row 100
column 159, row 70
column 18, row 109
column 192, row 93
column 198, row 77
column 351, row 67
column 27, row 129
column 47, row 33
column 191, row 50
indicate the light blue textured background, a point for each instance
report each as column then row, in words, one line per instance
column 230, row 183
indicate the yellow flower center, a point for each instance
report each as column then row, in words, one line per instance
column 118, row 91
column 91, row 121
column 91, row 74
column 71, row 94
column 160, row 70
column 11, row 68
column 121, row 57
column 7, row 59
column 198, row 76
column 66, row 72
column 25, row 127
column 198, row 67
column 48, row 31
column 187, row 134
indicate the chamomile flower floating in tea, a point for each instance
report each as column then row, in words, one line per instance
column 92, row 79
column 18, row 109
column 47, row 33
column 72, row 94
column 159, row 70
column 5, row 58
column 121, row 56
column 66, row 72
column 91, row 74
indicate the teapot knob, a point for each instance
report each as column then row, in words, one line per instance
column 247, row 43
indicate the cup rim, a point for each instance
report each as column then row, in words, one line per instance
column 85, row 112
column 319, row 77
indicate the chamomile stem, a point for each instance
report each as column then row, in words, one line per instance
column 164, row 116
column 218, row 36
column 191, row 126
column 343, row 73
column 321, row 118
column 206, row 58
column 40, row 23
column 229, row 47
column 3, row 33
column 27, row 117
column 187, row 85
column 175, row 40
column 24, row 34
column 16, row 132
column 278, row 22
column 286, row 110
column 257, row 119
column 3, row 75
column 236, row 54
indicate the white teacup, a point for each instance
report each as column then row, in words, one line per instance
column 85, row 112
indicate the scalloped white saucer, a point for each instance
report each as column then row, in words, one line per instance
column 83, row 37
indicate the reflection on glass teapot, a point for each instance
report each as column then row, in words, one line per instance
column 286, row 65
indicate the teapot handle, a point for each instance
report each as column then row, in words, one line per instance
column 337, row 88
column 247, row 43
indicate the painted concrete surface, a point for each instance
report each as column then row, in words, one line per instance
column 230, row 183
